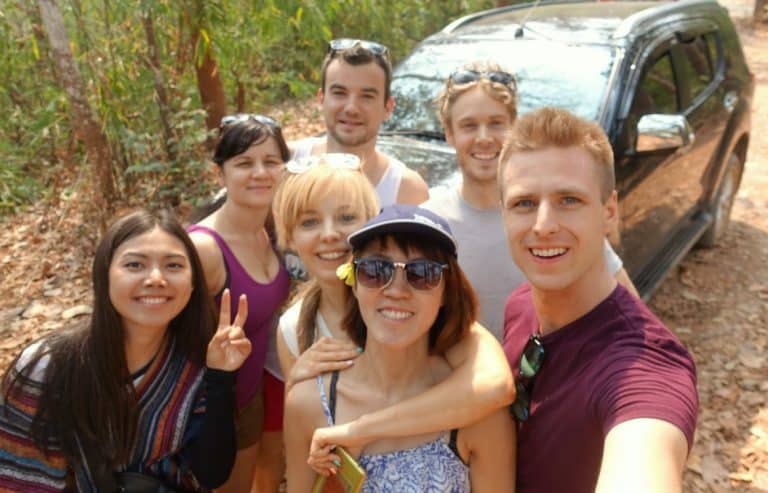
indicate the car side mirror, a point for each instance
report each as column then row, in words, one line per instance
column 658, row 132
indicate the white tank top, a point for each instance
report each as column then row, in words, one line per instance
column 289, row 322
column 388, row 186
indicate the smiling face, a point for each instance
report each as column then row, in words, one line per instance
column 353, row 102
column 478, row 124
column 397, row 316
column 320, row 233
column 252, row 176
column 554, row 217
column 150, row 280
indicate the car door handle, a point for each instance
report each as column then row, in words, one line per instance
column 730, row 100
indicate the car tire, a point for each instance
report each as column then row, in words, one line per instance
column 721, row 209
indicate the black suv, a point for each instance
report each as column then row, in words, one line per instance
column 667, row 81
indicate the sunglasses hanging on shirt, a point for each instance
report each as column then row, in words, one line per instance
column 530, row 363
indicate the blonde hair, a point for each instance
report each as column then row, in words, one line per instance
column 294, row 196
column 298, row 191
column 555, row 127
column 451, row 91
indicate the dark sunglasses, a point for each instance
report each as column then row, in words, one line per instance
column 530, row 364
column 340, row 44
column 244, row 117
column 377, row 273
column 467, row 76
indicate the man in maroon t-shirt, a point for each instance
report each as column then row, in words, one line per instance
column 606, row 394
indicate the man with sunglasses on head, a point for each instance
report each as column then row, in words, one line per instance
column 477, row 107
column 355, row 100
column 606, row 394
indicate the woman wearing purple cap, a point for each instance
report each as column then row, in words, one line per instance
column 411, row 303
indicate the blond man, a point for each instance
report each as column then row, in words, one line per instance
column 606, row 395
column 477, row 107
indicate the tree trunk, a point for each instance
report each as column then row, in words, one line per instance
column 169, row 139
column 760, row 14
column 86, row 128
column 240, row 97
column 209, row 82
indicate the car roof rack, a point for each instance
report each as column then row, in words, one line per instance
column 627, row 25
column 633, row 21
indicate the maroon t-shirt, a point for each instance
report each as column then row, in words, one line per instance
column 618, row 362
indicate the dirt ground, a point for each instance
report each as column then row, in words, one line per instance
column 716, row 300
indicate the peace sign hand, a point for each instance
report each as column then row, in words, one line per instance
column 229, row 347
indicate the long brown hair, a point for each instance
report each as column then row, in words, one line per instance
column 87, row 392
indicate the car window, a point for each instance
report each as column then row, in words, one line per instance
column 712, row 41
column 695, row 65
column 542, row 77
column 657, row 91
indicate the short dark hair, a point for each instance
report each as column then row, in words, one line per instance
column 459, row 309
column 235, row 139
column 357, row 55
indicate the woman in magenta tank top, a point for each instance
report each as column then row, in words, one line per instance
column 236, row 247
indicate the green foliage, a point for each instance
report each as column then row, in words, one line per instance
column 266, row 50
column 275, row 48
column 33, row 124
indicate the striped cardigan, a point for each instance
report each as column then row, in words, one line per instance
column 171, row 408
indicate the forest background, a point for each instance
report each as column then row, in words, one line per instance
column 113, row 103
column 130, row 85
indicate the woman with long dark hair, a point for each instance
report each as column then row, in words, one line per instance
column 142, row 393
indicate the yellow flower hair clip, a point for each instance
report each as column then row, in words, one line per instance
column 346, row 272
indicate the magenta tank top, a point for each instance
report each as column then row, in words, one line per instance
column 264, row 301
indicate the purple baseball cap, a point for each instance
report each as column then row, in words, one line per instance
column 403, row 218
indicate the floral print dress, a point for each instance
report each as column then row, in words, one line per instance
column 432, row 467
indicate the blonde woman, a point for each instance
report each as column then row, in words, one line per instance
column 410, row 304
column 319, row 204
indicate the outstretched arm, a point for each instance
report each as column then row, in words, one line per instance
column 480, row 383
column 643, row 455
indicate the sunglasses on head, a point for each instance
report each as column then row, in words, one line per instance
column 467, row 76
column 338, row 160
column 346, row 43
column 378, row 273
column 244, row 117
column 530, row 364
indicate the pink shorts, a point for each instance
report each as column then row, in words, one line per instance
column 274, row 397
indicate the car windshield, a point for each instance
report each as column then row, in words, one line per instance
column 548, row 73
